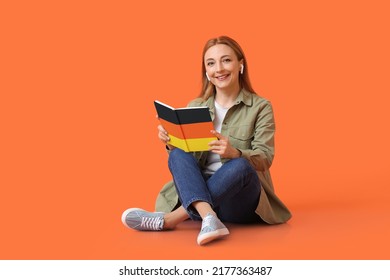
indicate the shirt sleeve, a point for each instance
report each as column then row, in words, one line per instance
column 262, row 149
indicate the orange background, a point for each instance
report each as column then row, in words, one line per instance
column 78, row 130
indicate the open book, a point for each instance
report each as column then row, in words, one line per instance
column 188, row 128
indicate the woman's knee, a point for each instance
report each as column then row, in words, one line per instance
column 178, row 155
column 242, row 165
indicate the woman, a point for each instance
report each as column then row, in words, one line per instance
column 231, row 182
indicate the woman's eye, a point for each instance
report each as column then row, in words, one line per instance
column 227, row 60
column 210, row 63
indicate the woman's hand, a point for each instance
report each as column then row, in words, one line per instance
column 222, row 146
column 163, row 136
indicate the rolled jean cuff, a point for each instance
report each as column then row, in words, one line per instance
column 194, row 215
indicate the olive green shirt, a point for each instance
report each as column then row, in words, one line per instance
column 249, row 125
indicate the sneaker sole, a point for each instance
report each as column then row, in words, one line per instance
column 210, row 236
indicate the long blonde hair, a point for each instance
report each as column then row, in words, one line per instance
column 208, row 89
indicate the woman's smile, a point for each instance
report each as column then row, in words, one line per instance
column 222, row 77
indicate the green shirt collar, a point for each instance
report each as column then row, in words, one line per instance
column 244, row 97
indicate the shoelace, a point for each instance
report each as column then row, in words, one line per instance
column 153, row 223
column 208, row 221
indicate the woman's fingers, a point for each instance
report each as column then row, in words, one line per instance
column 162, row 134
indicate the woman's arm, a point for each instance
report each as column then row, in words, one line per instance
column 262, row 149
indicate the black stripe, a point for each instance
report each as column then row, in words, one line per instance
column 166, row 113
column 186, row 116
column 193, row 115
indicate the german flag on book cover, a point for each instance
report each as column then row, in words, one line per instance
column 188, row 128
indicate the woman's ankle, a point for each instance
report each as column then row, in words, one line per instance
column 171, row 220
column 169, row 223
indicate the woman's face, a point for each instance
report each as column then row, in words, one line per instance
column 223, row 67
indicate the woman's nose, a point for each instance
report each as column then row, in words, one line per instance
column 219, row 67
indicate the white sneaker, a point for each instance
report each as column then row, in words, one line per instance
column 140, row 219
column 212, row 228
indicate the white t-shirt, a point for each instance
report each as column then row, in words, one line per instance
column 214, row 160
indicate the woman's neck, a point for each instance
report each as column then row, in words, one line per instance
column 226, row 99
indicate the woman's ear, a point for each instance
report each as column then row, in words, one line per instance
column 242, row 66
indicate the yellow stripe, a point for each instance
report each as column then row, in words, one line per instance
column 191, row 145
column 178, row 143
column 199, row 144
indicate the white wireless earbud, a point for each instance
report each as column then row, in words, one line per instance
column 242, row 69
column 208, row 78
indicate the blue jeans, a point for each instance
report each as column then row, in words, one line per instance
column 233, row 191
